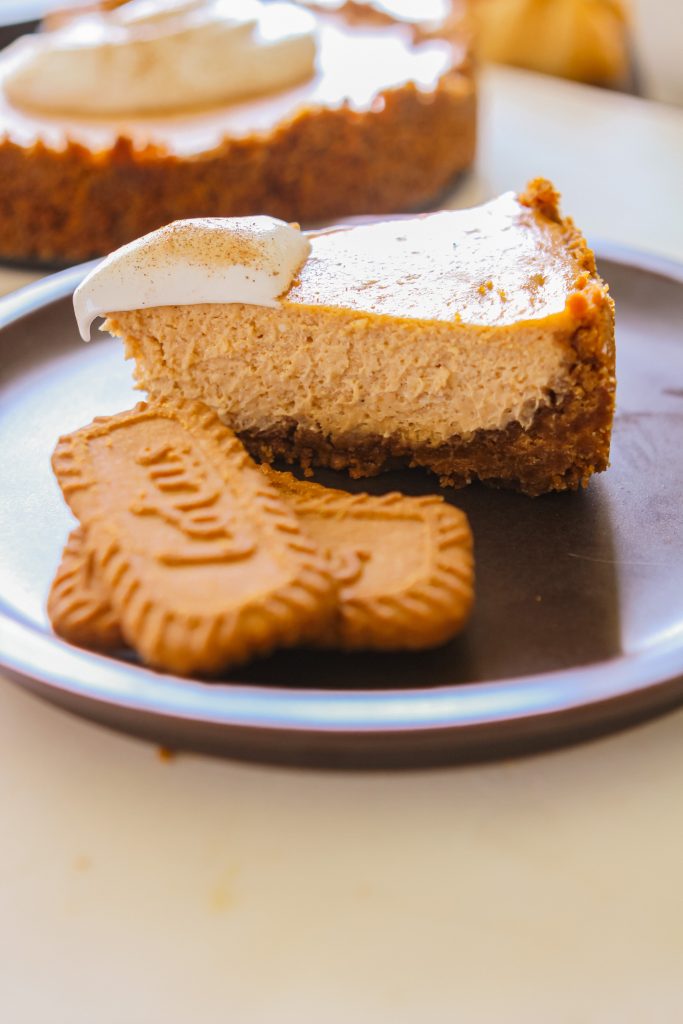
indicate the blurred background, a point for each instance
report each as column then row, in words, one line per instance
column 633, row 45
column 629, row 45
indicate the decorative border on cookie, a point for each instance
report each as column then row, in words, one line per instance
column 80, row 613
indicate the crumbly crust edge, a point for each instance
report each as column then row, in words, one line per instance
column 80, row 613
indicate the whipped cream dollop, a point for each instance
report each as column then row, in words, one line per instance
column 252, row 260
column 156, row 56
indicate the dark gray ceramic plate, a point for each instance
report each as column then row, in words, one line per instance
column 579, row 620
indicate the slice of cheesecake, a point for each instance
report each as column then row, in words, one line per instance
column 478, row 343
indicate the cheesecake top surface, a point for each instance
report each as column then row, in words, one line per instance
column 509, row 261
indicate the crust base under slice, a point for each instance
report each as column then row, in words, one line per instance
column 567, row 442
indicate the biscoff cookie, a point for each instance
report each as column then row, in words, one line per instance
column 78, row 605
column 371, row 615
column 404, row 565
column 204, row 564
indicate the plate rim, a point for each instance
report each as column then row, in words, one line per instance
column 71, row 674
column 232, row 702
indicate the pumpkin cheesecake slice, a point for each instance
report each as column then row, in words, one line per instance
column 477, row 343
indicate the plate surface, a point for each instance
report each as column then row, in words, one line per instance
column 578, row 626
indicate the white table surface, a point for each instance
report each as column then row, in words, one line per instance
column 542, row 891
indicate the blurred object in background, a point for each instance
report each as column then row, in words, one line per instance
column 594, row 41
column 586, row 40
column 17, row 17
column 61, row 12
column 658, row 42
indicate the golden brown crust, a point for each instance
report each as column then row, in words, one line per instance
column 224, row 572
column 70, row 203
column 404, row 565
column 78, row 604
column 540, row 194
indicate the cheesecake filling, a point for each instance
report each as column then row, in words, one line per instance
column 419, row 330
column 153, row 56
column 346, row 379
column 249, row 260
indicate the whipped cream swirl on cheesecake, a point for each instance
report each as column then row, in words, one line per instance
column 250, row 260
column 156, row 56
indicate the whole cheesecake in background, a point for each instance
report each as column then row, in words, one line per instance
column 478, row 344
column 122, row 120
